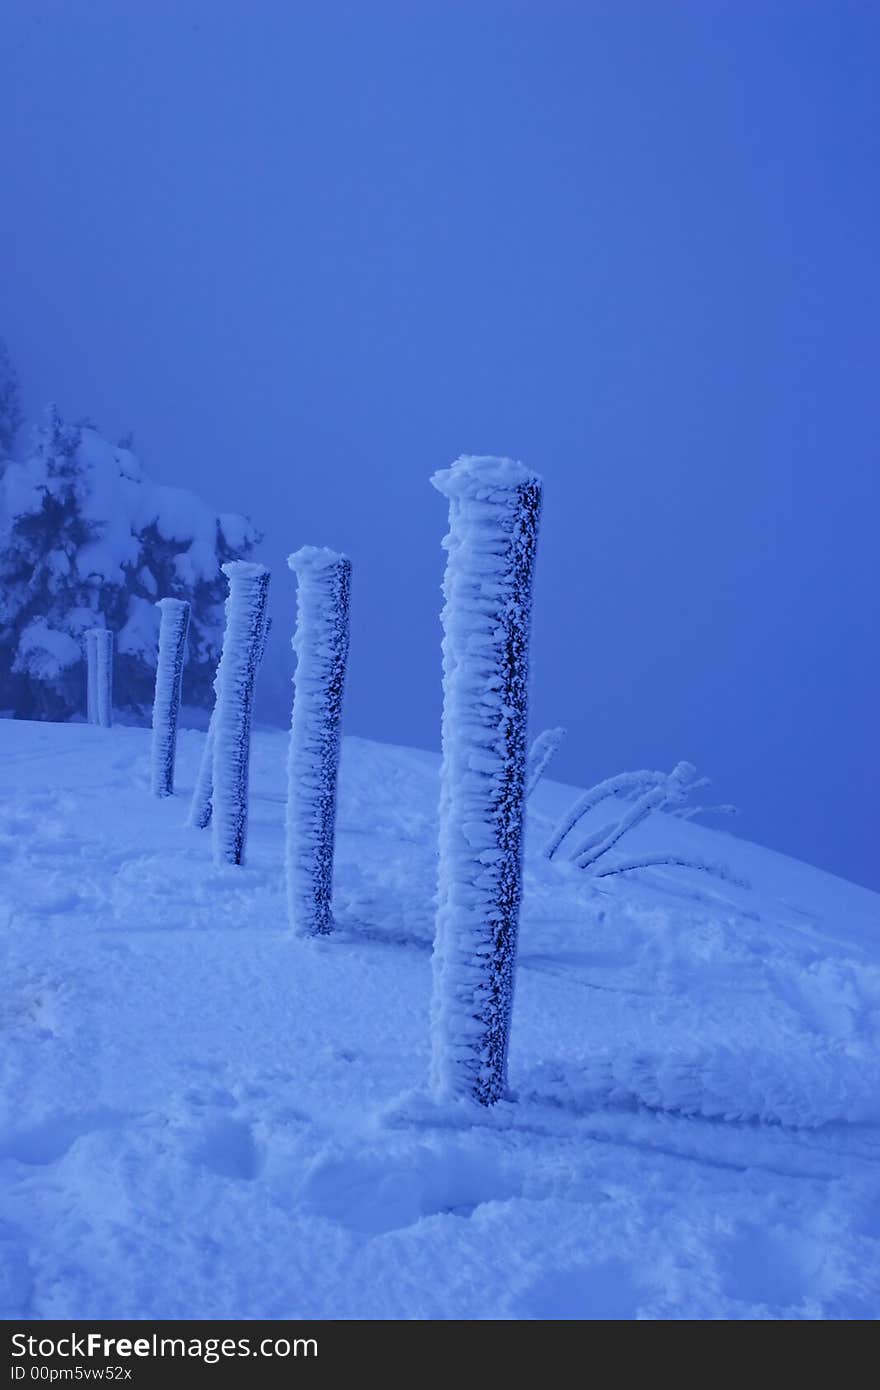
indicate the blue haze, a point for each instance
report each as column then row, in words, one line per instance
column 310, row 252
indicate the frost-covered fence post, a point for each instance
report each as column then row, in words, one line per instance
column 173, row 629
column 321, row 646
column 494, row 513
column 242, row 648
column 99, row 656
column 91, row 676
column 200, row 809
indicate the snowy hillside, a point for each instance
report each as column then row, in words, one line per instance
column 205, row 1117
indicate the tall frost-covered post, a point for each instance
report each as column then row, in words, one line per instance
column 321, row 646
column 236, row 674
column 494, row 512
column 99, row 690
column 173, row 629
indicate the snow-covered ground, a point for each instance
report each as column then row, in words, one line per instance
column 203, row 1116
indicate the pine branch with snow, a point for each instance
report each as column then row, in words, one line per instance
column 173, row 629
column 236, row 675
column 494, row 514
column 321, row 647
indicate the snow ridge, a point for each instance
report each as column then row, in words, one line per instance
column 321, row 647
column 494, row 513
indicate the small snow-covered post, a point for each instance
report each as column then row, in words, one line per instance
column 494, row 513
column 99, row 654
column 321, row 646
column 91, row 676
column 242, row 647
column 200, row 809
column 173, row 629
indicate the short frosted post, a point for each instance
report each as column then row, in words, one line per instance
column 91, row 676
column 173, row 629
column 494, row 513
column 200, row 810
column 99, row 688
column 321, row 646
column 233, row 710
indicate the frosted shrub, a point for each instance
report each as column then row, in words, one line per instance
column 242, row 647
column 541, row 754
column 173, row 629
column 494, row 513
column 644, row 792
column 321, row 646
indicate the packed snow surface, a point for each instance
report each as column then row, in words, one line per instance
column 206, row 1116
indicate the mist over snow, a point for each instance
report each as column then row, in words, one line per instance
column 310, row 253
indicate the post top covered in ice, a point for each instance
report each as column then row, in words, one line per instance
column 243, row 569
column 314, row 557
column 475, row 475
column 172, row 603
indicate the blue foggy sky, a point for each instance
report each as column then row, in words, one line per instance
column 311, row 252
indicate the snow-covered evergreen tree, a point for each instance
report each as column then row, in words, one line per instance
column 86, row 540
column 243, row 641
column 321, row 646
column 173, row 628
column 10, row 404
column 494, row 513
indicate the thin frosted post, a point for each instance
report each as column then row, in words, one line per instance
column 99, row 655
column 91, row 676
column 200, row 810
column 233, row 710
column 321, row 646
column 494, row 512
column 173, row 629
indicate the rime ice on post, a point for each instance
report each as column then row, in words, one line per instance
column 321, row 646
column 494, row 511
column 200, row 810
column 242, row 648
column 99, row 694
column 91, row 676
column 173, row 629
